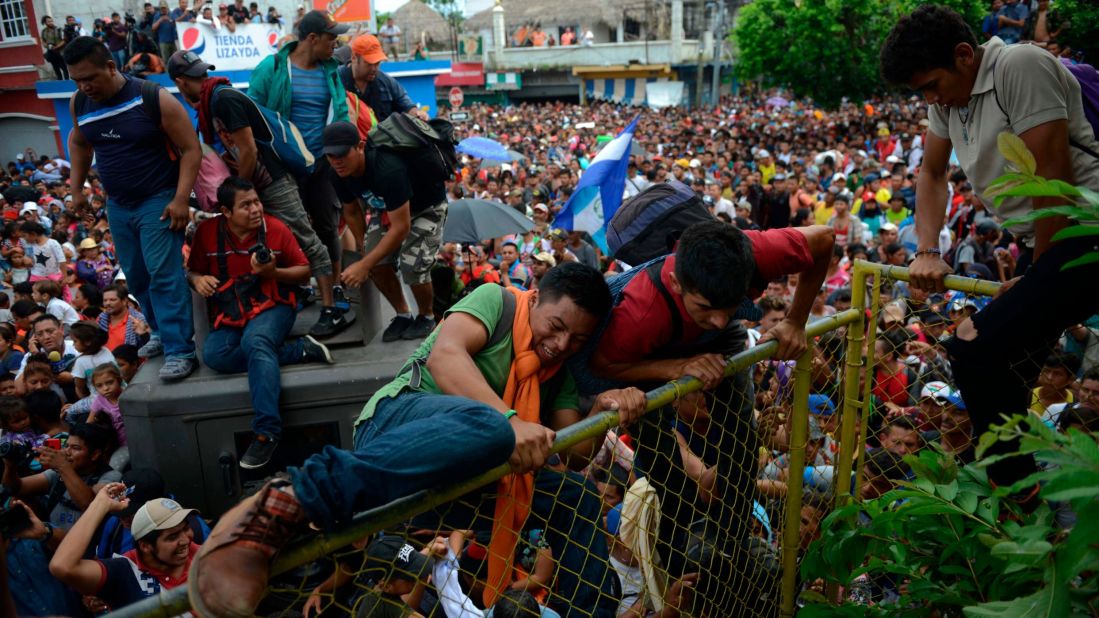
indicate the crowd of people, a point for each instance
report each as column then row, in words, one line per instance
column 141, row 45
column 523, row 336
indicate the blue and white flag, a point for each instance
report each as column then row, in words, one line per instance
column 599, row 192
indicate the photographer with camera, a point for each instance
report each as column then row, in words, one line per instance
column 248, row 266
column 118, row 38
column 53, row 40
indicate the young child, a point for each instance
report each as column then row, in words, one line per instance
column 38, row 376
column 44, row 408
column 48, row 294
column 89, row 340
column 125, row 356
column 16, row 422
column 11, row 357
column 7, row 385
column 107, row 381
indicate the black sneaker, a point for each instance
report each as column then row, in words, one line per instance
column 397, row 328
column 421, row 328
column 259, row 452
column 331, row 322
column 340, row 299
column 313, row 351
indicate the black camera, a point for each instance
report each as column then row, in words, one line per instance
column 130, row 19
column 262, row 253
column 15, row 452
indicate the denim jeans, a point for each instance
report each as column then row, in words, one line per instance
column 151, row 255
column 282, row 200
column 418, row 441
column 259, row 347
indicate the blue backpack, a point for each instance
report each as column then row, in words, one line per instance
column 286, row 140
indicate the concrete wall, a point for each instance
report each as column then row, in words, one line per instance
column 599, row 54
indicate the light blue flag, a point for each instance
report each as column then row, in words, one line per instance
column 599, row 192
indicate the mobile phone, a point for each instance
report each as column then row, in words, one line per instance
column 54, row 443
column 14, row 520
column 126, row 492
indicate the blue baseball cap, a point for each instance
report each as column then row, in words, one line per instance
column 821, row 405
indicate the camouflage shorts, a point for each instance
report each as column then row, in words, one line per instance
column 417, row 254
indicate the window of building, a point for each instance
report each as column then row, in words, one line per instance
column 13, row 20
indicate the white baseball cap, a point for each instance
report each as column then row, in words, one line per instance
column 158, row 514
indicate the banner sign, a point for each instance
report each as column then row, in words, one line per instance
column 347, row 10
column 240, row 50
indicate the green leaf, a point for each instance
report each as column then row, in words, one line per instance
column 1063, row 210
column 1076, row 231
column 1037, row 605
column 1015, row 151
column 1072, row 484
column 1083, row 260
column 947, row 491
column 967, row 501
column 1029, row 549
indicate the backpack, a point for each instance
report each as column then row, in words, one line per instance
column 286, row 140
column 648, row 224
column 426, row 147
column 1088, row 79
column 212, row 171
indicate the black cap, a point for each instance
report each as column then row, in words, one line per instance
column 339, row 138
column 187, row 63
column 319, row 22
column 392, row 556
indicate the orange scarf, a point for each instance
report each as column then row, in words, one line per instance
column 515, row 491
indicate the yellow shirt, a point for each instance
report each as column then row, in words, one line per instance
column 824, row 213
column 1036, row 406
column 766, row 173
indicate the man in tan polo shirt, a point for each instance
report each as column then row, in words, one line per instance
column 975, row 93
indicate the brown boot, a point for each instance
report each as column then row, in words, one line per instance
column 228, row 577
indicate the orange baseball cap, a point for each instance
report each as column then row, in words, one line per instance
column 368, row 47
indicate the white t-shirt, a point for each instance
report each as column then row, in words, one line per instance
column 85, row 365
column 69, row 352
column 47, row 258
column 62, row 311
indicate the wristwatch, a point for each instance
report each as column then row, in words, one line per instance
column 49, row 532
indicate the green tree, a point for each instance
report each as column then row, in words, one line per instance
column 827, row 49
column 1083, row 30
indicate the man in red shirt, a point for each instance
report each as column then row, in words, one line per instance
column 248, row 266
column 715, row 270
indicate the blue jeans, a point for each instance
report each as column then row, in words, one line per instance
column 260, row 348
column 418, row 441
column 414, row 441
column 151, row 255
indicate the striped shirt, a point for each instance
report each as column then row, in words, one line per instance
column 310, row 100
column 131, row 152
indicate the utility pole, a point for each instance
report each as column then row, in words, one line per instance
column 719, row 39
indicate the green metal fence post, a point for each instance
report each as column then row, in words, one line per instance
column 791, row 528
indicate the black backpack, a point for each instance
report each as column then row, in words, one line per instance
column 427, row 148
column 648, row 224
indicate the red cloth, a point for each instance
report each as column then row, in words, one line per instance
column 205, row 114
column 640, row 324
column 280, row 240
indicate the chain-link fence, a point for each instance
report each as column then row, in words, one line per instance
column 696, row 510
column 704, row 508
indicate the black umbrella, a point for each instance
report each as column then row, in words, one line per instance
column 471, row 220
